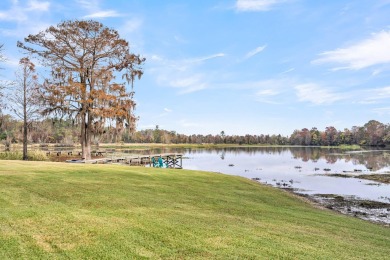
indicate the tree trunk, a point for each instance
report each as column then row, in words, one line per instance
column 25, row 157
column 85, row 138
column 88, row 136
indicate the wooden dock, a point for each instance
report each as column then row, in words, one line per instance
column 169, row 160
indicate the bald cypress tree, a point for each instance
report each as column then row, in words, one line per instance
column 91, row 71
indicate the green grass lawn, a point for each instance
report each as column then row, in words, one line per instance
column 61, row 211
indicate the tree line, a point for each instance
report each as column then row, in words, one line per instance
column 66, row 133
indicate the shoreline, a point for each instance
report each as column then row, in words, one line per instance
column 368, row 210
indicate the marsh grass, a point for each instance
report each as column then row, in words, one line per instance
column 62, row 211
column 383, row 178
column 35, row 155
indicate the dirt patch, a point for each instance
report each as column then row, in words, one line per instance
column 374, row 211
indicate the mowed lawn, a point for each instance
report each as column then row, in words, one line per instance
column 62, row 211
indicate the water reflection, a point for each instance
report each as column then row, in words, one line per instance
column 374, row 160
column 304, row 168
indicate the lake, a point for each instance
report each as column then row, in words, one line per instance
column 304, row 169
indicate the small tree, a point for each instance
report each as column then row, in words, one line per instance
column 24, row 102
column 86, row 57
column 3, row 134
column 2, row 85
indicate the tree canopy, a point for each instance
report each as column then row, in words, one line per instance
column 91, row 67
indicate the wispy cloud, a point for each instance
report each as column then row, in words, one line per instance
column 164, row 113
column 21, row 13
column 103, row 14
column 375, row 95
column 255, row 51
column 267, row 92
column 189, row 84
column 381, row 110
column 185, row 75
column 38, row 6
column 95, row 11
column 380, row 93
column 213, row 56
column 256, row 5
column 314, row 93
column 88, row 4
column 367, row 53
column 288, row 71
column 131, row 25
column 266, row 96
column 270, row 91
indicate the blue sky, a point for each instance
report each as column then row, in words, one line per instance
column 242, row 66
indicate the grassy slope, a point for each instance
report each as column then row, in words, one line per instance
column 54, row 210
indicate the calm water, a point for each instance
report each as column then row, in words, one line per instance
column 298, row 168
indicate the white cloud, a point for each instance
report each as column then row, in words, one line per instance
column 131, row 25
column 91, row 5
column 266, row 95
column 373, row 96
column 267, row 92
column 22, row 15
column 189, row 84
column 381, row 111
column 376, row 72
column 184, row 75
column 15, row 13
column 256, row 5
column 103, row 14
column 213, row 56
column 315, row 94
column 95, row 11
column 270, row 91
column 167, row 110
column 367, row 53
column 255, row 51
column 287, row 71
column 380, row 93
column 38, row 6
